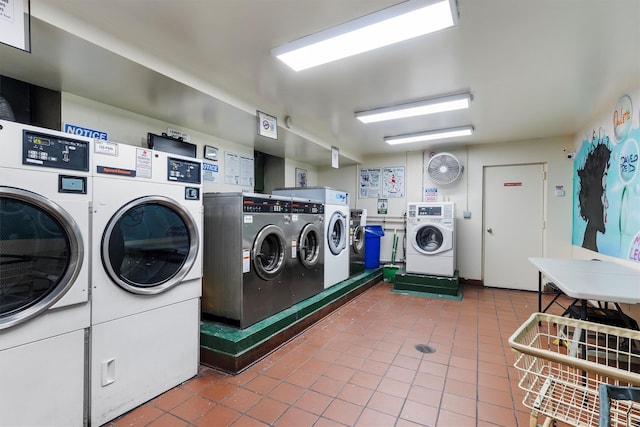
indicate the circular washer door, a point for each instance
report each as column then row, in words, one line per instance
column 431, row 239
column 149, row 245
column 268, row 252
column 41, row 253
column 358, row 240
column 309, row 246
column 337, row 233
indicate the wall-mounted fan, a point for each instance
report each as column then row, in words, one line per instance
column 444, row 168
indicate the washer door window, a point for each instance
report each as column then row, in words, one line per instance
column 358, row 240
column 149, row 245
column 431, row 240
column 41, row 253
column 336, row 233
column 309, row 246
column 268, row 252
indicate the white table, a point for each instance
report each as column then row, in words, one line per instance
column 589, row 280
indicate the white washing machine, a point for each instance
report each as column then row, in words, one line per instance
column 45, row 196
column 431, row 235
column 146, row 276
column 336, row 228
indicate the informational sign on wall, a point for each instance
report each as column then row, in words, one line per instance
column 385, row 182
column 210, row 172
column 12, row 24
column 393, row 181
column 606, row 183
column 238, row 170
column 370, row 184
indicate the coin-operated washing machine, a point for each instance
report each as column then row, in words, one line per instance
column 307, row 248
column 336, row 228
column 147, row 276
column 45, row 196
column 357, row 223
column 431, row 237
column 246, row 252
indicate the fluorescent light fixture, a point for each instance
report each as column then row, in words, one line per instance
column 394, row 24
column 429, row 135
column 419, row 108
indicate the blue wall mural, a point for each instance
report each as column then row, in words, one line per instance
column 606, row 183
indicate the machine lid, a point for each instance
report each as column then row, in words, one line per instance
column 337, row 233
column 149, row 245
column 41, row 253
column 431, row 239
column 268, row 253
column 358, row 239
column 309, row 245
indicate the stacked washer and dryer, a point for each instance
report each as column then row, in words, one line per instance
column 146, row 276
column 336, row 228
column 431, row 239
column 45, row 196
column 247, row 251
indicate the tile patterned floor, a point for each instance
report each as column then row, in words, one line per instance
column 359, row 366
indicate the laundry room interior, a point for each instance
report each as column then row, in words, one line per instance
column 195, row 232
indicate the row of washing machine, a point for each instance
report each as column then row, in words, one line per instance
column 265, row 253
column 100, row 276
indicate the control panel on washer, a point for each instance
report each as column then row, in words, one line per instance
column 260, row 205
column 180, row 170
column 39, row 149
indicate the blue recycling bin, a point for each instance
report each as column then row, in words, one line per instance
column 372, row 234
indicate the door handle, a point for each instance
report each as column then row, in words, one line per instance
column 490, row 230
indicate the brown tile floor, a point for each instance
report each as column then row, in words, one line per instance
column 359, row 367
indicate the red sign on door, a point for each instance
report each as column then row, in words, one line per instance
column 513, row 184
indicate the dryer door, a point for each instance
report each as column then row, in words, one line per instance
column 268, row 253
column 337, row 233
column 309, row 246
column 358, row 240
column 431, row 239
column 41, row 253
column 149, row 245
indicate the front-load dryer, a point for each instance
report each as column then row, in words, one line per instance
column 146, row 276
column 357, row 223
column 45, row 198
column 307, row 248
column 246, row 255
column 431, row 238
column 336, row 228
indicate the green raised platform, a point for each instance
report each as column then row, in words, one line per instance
column 423, row 285
column 231, row 350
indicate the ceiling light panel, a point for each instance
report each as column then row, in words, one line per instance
column 397, row 23
column 429, row 135
column 420, row 108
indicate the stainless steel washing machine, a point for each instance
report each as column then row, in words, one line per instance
column 307, row 248
column 357, row 223
column 246, row 248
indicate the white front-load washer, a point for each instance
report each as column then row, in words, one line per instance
column 431, row 238
column 45, row 197
column 146, row 276
column 336, row 228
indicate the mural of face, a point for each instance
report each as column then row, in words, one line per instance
column 592, row 197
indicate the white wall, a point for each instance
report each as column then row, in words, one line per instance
column 130, row 128
column 467, row 194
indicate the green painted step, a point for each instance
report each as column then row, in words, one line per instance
column 404, row 281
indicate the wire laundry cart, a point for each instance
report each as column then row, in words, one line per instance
column 563, row 361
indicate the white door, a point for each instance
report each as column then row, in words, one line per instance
column 513, row 225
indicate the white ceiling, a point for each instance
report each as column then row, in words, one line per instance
column 536, row 68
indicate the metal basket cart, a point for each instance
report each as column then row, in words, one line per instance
column 562, row 362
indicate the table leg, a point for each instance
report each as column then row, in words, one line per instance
column 540, row 294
